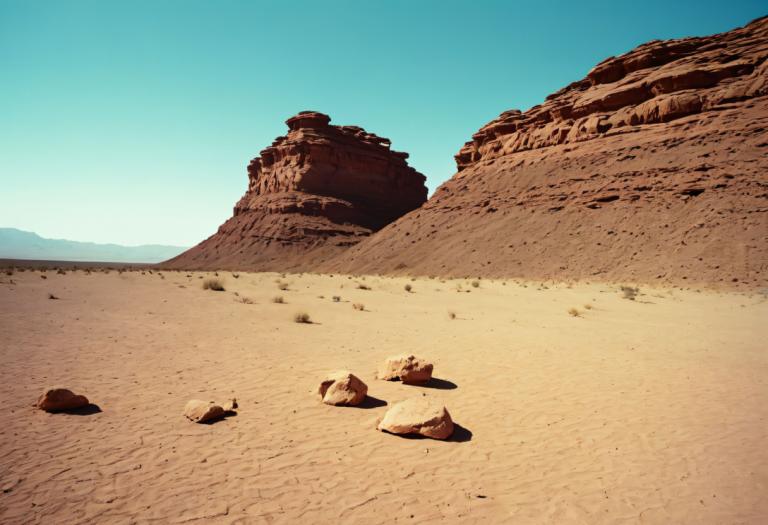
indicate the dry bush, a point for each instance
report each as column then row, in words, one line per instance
column 9, row 272
column 475, row 284
column 358, row 306
column 301, row 317
column 51, row 296
column 282, row 286
column 574, row 312
column 361, row 286
column 278, row 299
column 43, row 276
column 213, row 284
column 236, row 275
column 451, row 315
column 408, row 287
column 61, row 272
column 629, row 292
column 245, row 300
column 336, row 298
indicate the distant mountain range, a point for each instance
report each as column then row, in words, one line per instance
column 19, row 244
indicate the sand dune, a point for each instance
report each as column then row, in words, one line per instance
column 645, row 411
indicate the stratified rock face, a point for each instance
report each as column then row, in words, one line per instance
column 653, row 168
column 317, row 190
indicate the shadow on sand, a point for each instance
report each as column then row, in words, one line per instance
column 460, row 435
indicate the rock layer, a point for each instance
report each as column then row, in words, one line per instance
column 312, row 193
column 652, row 168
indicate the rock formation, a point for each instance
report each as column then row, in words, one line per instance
column 343, row 389
column 418, row 416
column 405, row 368
column 653, row 168
column 317, row 190
column 200, row 411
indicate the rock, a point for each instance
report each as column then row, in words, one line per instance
column 60, row 399
column 342, row 388
column 313, row 193
column 406, row 368
column 640, row 130
column 203, row 411
column 418, row 416
column 230, row 405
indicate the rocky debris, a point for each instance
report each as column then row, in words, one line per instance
column 311, row 194
column 342, row 388
column 406, row 368
column 203, row 411
column 653, row 168
column 59, row 399
column 418, row 416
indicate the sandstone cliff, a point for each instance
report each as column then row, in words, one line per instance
column 317, row 190
column 653, row 168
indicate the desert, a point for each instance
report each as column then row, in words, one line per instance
column 647, row 410
column 309, row 263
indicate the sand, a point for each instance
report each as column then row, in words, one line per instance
column 645, row 411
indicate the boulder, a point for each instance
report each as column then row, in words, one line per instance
column 343, row 388
column 203, row 411
column 418, row 416
column 60, row 399
column 407, row 368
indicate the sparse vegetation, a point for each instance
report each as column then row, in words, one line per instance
column 629, row 292
column 574, row 312
column 301, row 317
column 282, row 286
column 213, row 284
column 358, row 306
column 361, row 286
column 278, row 299
column 245, row 300
column 475, row 284
column 43, row 276
column 9, row 272
column 236, row 275
column 336, row 298
column 53, row 297
column 61, row 272
column 408, row 287
column 451, row 315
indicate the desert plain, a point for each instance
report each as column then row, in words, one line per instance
column 574, row 404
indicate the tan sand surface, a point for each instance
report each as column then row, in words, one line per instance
column 645, row 411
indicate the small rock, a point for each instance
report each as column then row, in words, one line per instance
column 406, row 368
column 418, row 416
column 342, row 388
column 60, row 399
column 203, row 411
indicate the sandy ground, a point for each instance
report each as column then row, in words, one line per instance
column 646, row 411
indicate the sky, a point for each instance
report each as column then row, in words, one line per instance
column 133, row 122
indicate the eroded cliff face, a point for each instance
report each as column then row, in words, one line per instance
column 654, row 168
column 315, row 191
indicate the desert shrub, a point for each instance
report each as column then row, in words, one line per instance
column 408, row 287
column 245, row 300
column 51, row 296
column 629, row 292
column 301, row 317
column 358, row 306
column 475, row 284
column 451, row 315
column 43, row 276
column 61, row 272
column 573, row 312
column 236, row 275
column 213, row 284
column 282, row 286
column 336, row 298
column 361, row 286
column 278, row 299
column 9, row 272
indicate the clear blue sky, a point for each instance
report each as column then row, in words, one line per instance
column 133, row 122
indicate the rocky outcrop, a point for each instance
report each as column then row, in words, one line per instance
column 406, row 368
column 652, row 168
column 59, row 399
column 200, row 411
column 315, row 191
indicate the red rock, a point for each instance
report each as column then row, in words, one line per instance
column 312, row 193
column 608, row 178
column 60, row 400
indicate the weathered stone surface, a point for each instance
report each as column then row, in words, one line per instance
column 59, row 399
column 407, row 368
column 652, row 169
column 203, row 411
column 343, row 388
column 314, row 192
column 418, row 416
